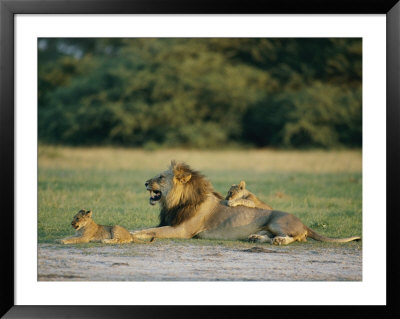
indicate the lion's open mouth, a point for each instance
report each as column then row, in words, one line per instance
column 155, row 196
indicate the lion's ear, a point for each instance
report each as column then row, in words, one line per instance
column 242, row 184
column 182, row 173
column 186, row 178
column 183, row 177
column 173, row 164
column 88, row 213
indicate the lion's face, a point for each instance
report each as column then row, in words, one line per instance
column 237, row 191
column 167, row 183
column 81, row 219
column 159, row 186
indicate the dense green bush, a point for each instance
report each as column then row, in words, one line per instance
column 202, row 93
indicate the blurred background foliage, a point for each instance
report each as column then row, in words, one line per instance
column 201, row 93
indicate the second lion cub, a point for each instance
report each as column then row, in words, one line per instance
column 239, row 195
column 89, row 231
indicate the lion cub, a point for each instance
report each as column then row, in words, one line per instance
column 239, row 195
column 89, row 231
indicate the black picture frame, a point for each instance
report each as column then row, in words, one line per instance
column 8, row 10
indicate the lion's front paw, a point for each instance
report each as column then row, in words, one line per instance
column 232, row 203
column 256, row 238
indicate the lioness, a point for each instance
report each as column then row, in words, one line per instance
column 239, row 195
column 89, row 231
column 190, row 207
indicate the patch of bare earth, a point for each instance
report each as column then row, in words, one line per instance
column 185, row 261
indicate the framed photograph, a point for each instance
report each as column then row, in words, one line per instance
column 273, row 96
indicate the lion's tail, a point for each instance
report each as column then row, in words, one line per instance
column 312, row 234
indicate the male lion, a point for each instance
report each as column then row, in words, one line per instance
column 190, row 207
column 89, row 231
column 239, row 195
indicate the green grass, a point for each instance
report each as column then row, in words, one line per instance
column 324, row 189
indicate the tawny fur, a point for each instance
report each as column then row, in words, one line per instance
column 240, row 195
column 191, row 207
column 89, row 231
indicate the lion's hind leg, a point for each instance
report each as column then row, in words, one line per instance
column 301, row 238
column 282, row 240
column 119, row 235
column 286, row 229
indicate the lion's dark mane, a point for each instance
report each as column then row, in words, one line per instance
column 196, row 191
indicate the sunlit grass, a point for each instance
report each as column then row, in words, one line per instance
column 323, row 188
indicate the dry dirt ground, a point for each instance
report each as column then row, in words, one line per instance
column 166, row 260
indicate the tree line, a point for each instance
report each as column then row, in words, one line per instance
column 200, row 92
